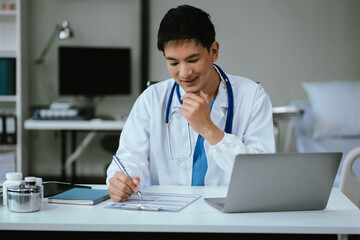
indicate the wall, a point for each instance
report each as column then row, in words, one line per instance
column 95, row 23
column 280, row 43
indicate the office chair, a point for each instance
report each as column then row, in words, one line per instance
column 110, row 142
column 349, row 182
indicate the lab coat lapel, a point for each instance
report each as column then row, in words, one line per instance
column 178, row 126
column 175, row 104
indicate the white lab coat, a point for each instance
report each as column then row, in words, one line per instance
column 143, row 146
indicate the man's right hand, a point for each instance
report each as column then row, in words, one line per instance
column 121, row 186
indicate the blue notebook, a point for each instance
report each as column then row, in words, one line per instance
column 82, row 196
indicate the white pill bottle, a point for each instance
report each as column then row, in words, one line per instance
column 12, row 179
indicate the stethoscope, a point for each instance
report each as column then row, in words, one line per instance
column 229, row 118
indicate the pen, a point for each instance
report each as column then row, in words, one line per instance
column 122, row 168
column 140, row 207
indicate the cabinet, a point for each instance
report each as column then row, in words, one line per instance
column 12, row 32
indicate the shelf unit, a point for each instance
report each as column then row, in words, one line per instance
column 12, row 42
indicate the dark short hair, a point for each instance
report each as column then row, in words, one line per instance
column 186, row 23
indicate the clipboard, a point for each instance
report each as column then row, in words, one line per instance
column 170, row 202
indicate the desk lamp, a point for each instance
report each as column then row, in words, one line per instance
column 63, row 31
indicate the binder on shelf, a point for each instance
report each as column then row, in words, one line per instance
column 7, row 76
column 2, row 129
column 10, row 129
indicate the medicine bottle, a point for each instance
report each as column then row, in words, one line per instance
column 39, row 183
column 12, row 179
column 30, row 181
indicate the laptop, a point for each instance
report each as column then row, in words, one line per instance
column 279, row 182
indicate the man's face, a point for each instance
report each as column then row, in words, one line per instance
column 191, row 64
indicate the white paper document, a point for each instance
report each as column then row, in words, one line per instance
column 151, row 201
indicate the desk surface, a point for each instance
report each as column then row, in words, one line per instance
column 96, row 125
column 340, row 217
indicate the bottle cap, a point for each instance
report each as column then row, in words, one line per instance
column 14, row 176
column 30, row 180
column 38, row 181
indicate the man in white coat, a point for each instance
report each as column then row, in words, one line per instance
column 199, row 144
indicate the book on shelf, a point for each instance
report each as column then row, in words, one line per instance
column 7, row 76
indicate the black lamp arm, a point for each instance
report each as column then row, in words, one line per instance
column 48, row 44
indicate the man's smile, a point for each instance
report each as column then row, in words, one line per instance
column 190, row 81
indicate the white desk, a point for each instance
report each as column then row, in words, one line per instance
column 64, row 126
column 91, row 125
column 340, row 217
